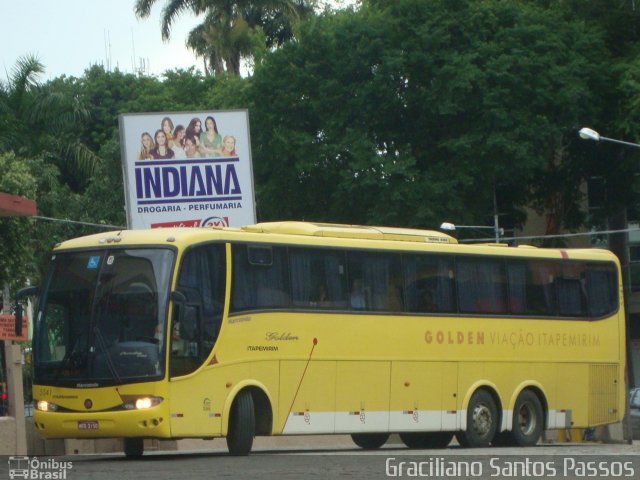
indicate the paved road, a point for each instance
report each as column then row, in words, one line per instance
column 566, row 461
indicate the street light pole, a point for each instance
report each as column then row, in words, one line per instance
column 623, row 254
column 496, row 228
column 589, row 134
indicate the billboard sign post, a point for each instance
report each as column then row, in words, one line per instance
column 187, row 169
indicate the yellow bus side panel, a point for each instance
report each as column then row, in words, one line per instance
column 197, row 401
column 423, row 396
column 362, row 396
column 572, row 385
column 307, row 397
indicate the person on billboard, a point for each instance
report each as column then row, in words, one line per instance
column 167, row 127
column 191, row 148
column 178, row 141
column 146, row 144
column 194, row 129
column 228, row 146
column 210, row 139
column 161, row 150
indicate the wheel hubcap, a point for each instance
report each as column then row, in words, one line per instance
column 482, row 419
column 526, row 419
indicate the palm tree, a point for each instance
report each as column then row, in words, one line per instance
column 36, row 122
column 221, row 42
column 228, row 31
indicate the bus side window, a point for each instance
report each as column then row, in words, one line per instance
column 318, row 279
column 570, row 290
column 260, row 278
column 541, row 299
column 481, row 285
column 202, row 283
column 428, row 281
column 517, row 279
column 373, row 278
column 601, row 283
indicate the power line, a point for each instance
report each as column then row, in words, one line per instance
column 560, row 235
column 529, row 237
column 77, row 222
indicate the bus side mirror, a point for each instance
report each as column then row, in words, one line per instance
column 188, row 315
column 23, row 292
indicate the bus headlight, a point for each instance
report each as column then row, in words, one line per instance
column 45, row 406
column 142, row 403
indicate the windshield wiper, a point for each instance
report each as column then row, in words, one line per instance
column 103, row 346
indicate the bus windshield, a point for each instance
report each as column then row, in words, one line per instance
column 102, row 318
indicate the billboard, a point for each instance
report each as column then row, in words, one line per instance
column 187, row 169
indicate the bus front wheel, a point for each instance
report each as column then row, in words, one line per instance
column 482, row 421
column 528, row 419
column 242, row 425
column 133, row 447
column 370, row 441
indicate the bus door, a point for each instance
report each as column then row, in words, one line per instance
column 194, row 329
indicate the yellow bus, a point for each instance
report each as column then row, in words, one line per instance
column 302, row 328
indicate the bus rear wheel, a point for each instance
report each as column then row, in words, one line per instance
column 426, row 439
column 482, row 421
column 528, row 419
column 370, row 441
column 242, row 425
column 133, row 447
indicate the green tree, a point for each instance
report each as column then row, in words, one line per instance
column 43, row 159
column 431, row 106
column 615, row 167
column 36, row 121
column 231, row 29
column 619, row 20
column 16, row 260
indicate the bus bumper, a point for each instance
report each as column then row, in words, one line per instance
column 150, row 423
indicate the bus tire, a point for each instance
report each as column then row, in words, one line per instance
column 462, row 440
column 426, row 439
column 482, row 421
column 242, row 425
column 133, row 447
column 370, row 441
column 528, row 419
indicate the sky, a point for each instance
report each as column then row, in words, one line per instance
column 68, row 36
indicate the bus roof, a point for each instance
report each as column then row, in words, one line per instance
column 351, row 231
column 309, row 233
column 283, row 229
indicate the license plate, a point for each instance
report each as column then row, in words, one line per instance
column 88, row 425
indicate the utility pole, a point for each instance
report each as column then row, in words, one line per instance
column 14, row 206
column 13, row 358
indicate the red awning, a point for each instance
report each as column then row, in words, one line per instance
column 15, row 206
